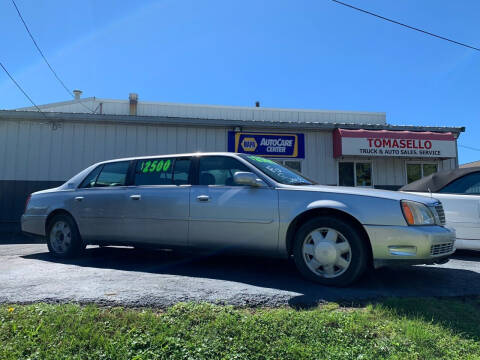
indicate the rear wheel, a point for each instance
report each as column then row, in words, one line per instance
column 63, row 238
column 330, row 251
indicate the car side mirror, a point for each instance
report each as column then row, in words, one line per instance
column 247, row 178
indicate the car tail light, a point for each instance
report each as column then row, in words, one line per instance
column 26, row 202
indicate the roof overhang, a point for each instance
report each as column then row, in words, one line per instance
column 56, row 117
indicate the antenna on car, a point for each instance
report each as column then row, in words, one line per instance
column 430, row 191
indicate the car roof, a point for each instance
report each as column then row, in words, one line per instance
column 169, row 155
column 435, row 182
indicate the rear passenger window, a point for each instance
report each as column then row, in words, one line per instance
column 181, row 171
column 113, row 174
column 154, row 172
column 162, row 171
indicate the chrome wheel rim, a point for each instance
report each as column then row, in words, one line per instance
column 327, row 253
column 60, row 237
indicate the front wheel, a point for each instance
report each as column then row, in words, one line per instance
column 63, row 238
column 330, row 251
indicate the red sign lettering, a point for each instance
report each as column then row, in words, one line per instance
column 399, row 144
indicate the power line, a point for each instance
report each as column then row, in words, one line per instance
column 20, row 88
column 469, row 147
column 407, row 26
column 45, row 59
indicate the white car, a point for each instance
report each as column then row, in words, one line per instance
column 459, row 192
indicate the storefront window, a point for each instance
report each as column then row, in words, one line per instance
column 354, row 174
column 429, row 169
column 363, row 174
column 291, row 164
column 346, row 176
column 414, row 172
column 417, row 170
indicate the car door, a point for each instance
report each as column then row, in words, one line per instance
column 158, row 201
column 461, row 202
column 98, row 204
column 226, row 215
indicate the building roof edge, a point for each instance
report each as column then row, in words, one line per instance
column 165, row 120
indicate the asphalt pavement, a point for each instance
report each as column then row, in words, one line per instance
column 131, row 277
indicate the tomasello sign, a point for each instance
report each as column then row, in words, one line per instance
column 279, row 145
column 393, row 143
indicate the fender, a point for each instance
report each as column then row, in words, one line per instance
column 286, row 228
column 332, row 204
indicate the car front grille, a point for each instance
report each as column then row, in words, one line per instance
column 440, row 249
column 440, row 213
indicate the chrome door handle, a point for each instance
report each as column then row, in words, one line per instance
column 203, row 198
column 135, row 197
column 79, row 198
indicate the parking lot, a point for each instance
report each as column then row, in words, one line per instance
column 126, row 276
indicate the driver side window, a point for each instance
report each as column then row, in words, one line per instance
column 219, row 170
column 468, row 184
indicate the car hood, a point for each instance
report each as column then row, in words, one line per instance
column 384, row 194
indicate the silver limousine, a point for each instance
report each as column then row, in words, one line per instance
column 244, row 203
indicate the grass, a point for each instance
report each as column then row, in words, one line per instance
column 392, row 329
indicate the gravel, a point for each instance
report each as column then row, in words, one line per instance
column 136, row 278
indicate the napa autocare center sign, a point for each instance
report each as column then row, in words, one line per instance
column 393, row 143
column 279, row 145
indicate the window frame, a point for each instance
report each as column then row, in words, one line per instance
column 190, row 178
column 85, row 178
column 240, row 160
column 128, row 177
column 371, row 162
column 421, row 163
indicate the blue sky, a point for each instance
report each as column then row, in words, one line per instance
column 289, row 54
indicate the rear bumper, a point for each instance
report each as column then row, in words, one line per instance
column 411, row 244
column 34, row 224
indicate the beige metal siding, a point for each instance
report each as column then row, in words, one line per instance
column 34, row 151
column 319, row 164
column 389, row 171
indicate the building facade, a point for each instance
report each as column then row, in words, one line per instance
column 42, row 150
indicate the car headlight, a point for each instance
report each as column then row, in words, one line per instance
column 416, row 213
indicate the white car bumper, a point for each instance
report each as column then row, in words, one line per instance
column 466, row 244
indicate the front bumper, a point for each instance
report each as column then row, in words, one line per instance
column 410, row 244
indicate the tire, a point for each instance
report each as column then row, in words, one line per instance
column 330, row 251
column 63, row 237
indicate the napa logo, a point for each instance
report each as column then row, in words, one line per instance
column 249, row 144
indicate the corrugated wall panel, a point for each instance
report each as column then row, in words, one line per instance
column 44, row 154
column 12, row 129
column 33, row 151
column 23, row 142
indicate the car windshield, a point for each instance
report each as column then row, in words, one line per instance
column 276, row 171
